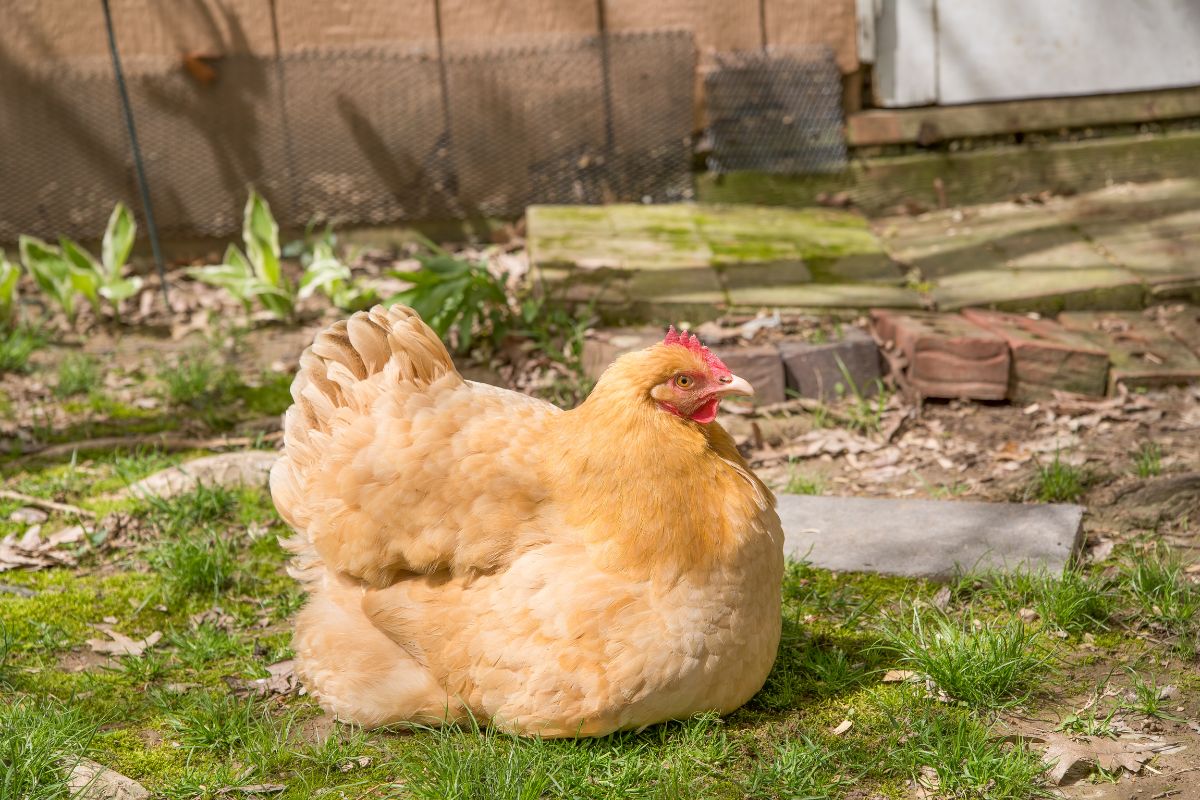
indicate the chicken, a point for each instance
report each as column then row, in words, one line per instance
column 474, row 552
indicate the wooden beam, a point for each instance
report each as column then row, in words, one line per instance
column 939, row 123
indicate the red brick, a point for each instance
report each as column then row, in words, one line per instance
column 1045, row 356
column 947, row 356
column 1142, row 352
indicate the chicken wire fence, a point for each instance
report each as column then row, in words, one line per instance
column 776, row 110
column 352, row 135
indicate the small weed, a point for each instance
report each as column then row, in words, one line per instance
column 1148, row 460
column 1057, row 482
column 205, row 644
column 990, row 665
column 77, row 374
column 142, row 670
column 202, row 563
column 16, row 346
column 1156, row 581
column 1145, row 697
column 203, row 505
column 219, row 722
column 802, row 484
column 864, row 415
column 195, row 381
column 956, row 756
column 799, row 771
column 1074, row 602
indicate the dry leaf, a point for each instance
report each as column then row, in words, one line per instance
column 842, row 728
column 1075, row 759
column 899, row 676
column 282, row 680
column 122, row 645
column 91, row 781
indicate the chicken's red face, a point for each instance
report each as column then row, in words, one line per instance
column 697, row 380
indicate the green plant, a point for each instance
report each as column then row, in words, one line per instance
column 1148, row 460
column 195, row 381
column 992, row 665
column 325, row 273
column 1145, row 697
column 55, row 274
column 459, row 297
column 803, row 484
column 257, row 272
column 200, row 563
column 1157, row 582
column 1057, row 482
column 106, row 278
column 864, row 415
column 798, row 771
column 40, row 741
column 16, row 346
column 10, row 275
column 77, row 374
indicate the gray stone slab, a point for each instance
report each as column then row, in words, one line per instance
column 928, row 538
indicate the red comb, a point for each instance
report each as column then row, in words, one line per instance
column 692, row 343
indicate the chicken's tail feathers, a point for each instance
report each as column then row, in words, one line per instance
column 335, row 379
column 334, row 371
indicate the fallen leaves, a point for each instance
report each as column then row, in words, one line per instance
column 91, row 781
column 118, row 644
column 32, row 551
column 243, row 467
column 1074, row 758
column 281, row 680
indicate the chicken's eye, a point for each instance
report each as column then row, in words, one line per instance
column 684, row 381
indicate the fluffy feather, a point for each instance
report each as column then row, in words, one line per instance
column 473, row 550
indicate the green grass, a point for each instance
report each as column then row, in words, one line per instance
column 1057, row 482
column 196, row 381
column 1147, row 462
column 1157, row 584
column 170, row 720
column 77, row 374
column 1075, row 602
column 986, row 665
column 40, row 740
column 16, row 346
column 803, row 484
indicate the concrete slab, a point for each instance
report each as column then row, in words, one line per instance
column 1044, row 289
column 928, row 538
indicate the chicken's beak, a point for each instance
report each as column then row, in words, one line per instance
column 732, row 384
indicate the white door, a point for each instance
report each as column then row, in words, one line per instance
column 968, row 51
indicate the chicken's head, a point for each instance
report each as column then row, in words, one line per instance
column 690, row 380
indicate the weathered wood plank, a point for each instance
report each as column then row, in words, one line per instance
column 934, row 124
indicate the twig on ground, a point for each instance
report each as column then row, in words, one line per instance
column 158, row 440
column 46, row 505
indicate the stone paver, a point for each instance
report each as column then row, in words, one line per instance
column 815, row 370
column 1045, row 356
column 946, row 355
column 1143, row 353
column 928, row 538
column 1117, row 248
column 759, row 364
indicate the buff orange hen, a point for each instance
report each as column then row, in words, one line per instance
column 469, row 550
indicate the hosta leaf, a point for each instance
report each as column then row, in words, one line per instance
column 50, row 270
column 87, row 283
column 122, row 289
column 261, row 236
column 118, row 241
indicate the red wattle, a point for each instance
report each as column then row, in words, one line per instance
column 707, row 412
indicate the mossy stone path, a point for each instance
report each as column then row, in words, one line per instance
column 1120, row 247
